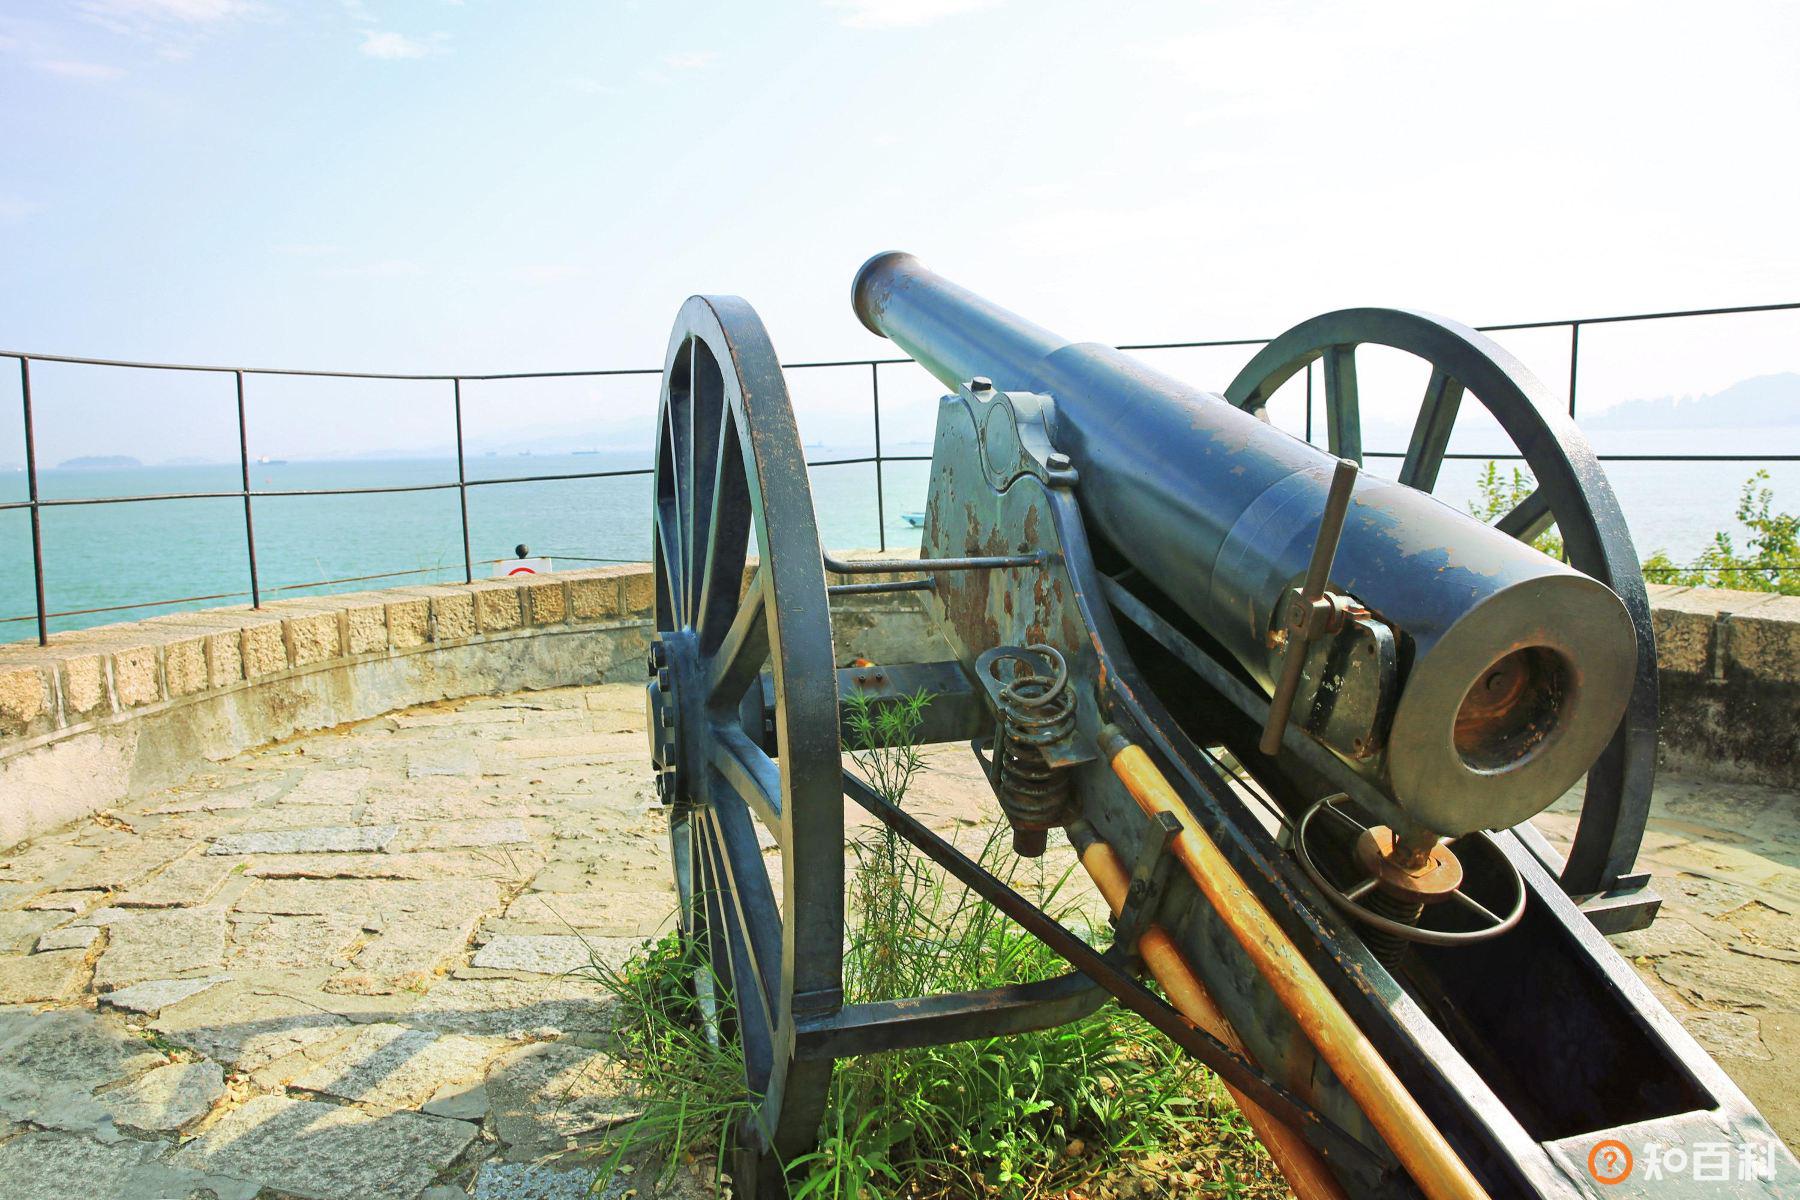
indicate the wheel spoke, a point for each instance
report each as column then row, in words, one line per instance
column 752, row 1011
column 682, row 859
column 1431, row 435
column 751, row 774
column 722, row 573
column 739, row 657
column 666, row 544
column 1473, row 905
column 707, row 402
column 747, row 882
column 1343, row 419
column 1530, row 519
column 1345, row 817
column 681, row 436
column 717, row 973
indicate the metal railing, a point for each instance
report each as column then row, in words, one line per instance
column 36, row 503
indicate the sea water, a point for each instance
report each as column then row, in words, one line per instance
column 107, row 555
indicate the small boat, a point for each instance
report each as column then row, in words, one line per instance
column 915, row 520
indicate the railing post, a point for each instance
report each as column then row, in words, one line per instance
column 1574, row 360
column 462, row 486
column 880, row 509
column 31, row 491
column 244, row 468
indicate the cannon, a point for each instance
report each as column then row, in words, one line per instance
column 1295, row 719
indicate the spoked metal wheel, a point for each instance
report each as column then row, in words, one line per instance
column 1572, row 493
column 730, row 482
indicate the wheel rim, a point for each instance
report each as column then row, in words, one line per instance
column 1572, row 493
column 730, row 481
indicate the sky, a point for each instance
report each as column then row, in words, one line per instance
column 482, row 185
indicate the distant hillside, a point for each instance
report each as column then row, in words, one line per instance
column 1763, row 401
column 95, row 462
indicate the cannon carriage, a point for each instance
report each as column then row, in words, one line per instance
column 1294, row 718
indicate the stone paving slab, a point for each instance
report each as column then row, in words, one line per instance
column 327, row 1151
column 358, row 964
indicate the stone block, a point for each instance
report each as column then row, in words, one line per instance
column 409, row 622
column 168, row 1097
column 1764, row 642
column 41, row 978
column 312, row 637
column 546, row 602
column 452, row 614
column 594, row 597
column 497, row 607
column 26, row 700
column 323, row 1151
column 264, row 648
column 637, row 592
column 185, row 668
column 365, row 624
column 84, row 692
column 136, row 676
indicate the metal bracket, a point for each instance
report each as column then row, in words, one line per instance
column 1311, row 613
column 1150, row 875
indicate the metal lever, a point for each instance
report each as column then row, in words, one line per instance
column 1309, row 614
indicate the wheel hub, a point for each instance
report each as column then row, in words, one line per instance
column 672, row 669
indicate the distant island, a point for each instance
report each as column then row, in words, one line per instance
column 1764, row 401
column 96, row 462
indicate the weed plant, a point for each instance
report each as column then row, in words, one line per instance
column 1102, row 1107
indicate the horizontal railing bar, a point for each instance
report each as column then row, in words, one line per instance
column 257, row 494
column 477, row 377
column 1515, row 456
column 286, row 587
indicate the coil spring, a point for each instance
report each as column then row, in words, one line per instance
column 1036, row 710
column 1387, row 947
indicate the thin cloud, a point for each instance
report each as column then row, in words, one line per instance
column 389, row 45
column 85, row 72
column 550, row 272
column 902, row 14
column 386, row 268
column 692, row 60
column 589, row 87
column 12, row 208
column 305, row 249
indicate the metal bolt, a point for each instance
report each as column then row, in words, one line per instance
column 981, row 383
column 1057, row 462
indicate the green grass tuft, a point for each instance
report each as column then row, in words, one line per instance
column 1104, row 1107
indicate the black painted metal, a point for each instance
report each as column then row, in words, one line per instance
column 1572, row 491
column 244, row 474
column 1334, row 1143
column 31, row 490
column 938, row 1020
column 462, row 485
column 729, row 473
column 878, row 459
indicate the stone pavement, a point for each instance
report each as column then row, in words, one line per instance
column 335, row 967
column 338, row 967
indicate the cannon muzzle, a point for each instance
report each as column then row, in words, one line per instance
column 1512, row 669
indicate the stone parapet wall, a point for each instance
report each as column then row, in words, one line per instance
column 106, row 713
column 96, row 674
column 1730, row 672
column 102, row 714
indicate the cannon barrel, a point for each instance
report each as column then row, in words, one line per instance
column 1513, row 669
